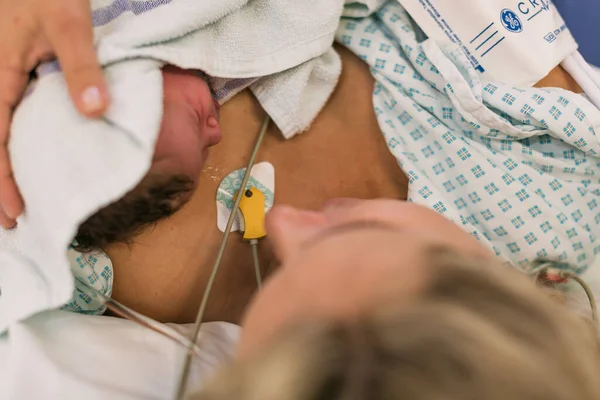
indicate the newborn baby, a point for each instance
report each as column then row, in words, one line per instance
column 190, row 126
column 165, row 269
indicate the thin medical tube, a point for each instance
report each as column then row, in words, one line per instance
column 254, row 244
column 188, row 356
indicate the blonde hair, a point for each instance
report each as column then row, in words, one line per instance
column 477, row 332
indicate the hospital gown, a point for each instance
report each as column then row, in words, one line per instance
column 517, row 168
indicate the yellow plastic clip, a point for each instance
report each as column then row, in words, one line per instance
column 251, row 214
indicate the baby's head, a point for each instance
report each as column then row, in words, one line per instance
column 190, row 125
column 389, row 300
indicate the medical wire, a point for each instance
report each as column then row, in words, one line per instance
column 254, row 245
column 127, row 313
column 568, row 275
column 188, row 356
column 588, row 292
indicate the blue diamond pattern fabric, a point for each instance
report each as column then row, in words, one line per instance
column 95, row 270
column 517, row 168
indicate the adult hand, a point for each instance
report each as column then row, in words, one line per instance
column 32, row 31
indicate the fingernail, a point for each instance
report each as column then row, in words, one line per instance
column 212, row 122
column 10, row 225
column 91, row 99
column 8, row 212
column 6, row 221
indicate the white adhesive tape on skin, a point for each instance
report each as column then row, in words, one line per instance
column 512, row 41
column 262, row 177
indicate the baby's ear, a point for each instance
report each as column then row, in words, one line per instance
column 288, row 229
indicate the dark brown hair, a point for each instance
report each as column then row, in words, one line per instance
column 152, row 200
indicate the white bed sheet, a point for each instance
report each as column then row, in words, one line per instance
column 61, row 355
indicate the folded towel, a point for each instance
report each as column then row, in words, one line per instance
column 68, row 167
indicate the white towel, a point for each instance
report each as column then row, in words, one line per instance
column 68, row 167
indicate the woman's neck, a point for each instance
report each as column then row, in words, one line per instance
column 559, row 78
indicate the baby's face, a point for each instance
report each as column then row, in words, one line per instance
column 190, row 125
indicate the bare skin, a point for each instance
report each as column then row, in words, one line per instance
column 559, row 78
column 163, row 274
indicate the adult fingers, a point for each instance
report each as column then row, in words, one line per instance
column 68, row 27
column 12, row 82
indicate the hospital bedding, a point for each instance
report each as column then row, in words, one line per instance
column 517, row 168
column 59, row 355
column 448, row 131
column 89, row 163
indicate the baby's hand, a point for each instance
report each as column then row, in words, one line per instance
column 32, row 31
